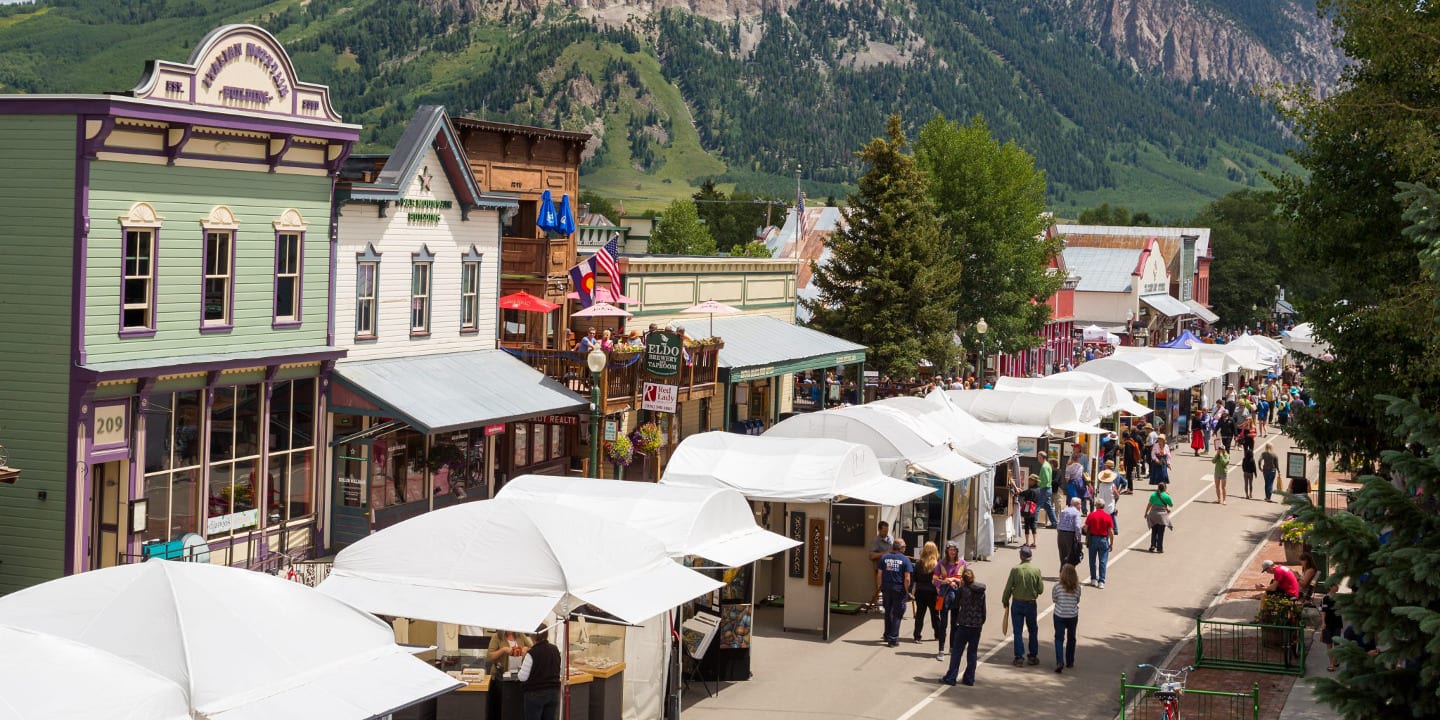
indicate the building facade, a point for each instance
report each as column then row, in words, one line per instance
column 173, row 289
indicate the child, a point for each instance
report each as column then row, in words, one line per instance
column 1332, row 626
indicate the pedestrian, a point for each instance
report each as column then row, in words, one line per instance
column 1101, row 529
column 1221, row 462
column 1047, row 490
column 965, row 630
column 878, row 548
column 1074, row 480
column 1105, row 484
column 922, row 589
column 948, row 576
column 893, row 576
column 1197, row 433
column 1247, row 469
column 540, row 678
column 1022, row 587
column 1269, row 468
column 1066, row 596
column 1029, row 511
column 1157, row 516
column 1017, row 488
column 1067, row 537
column 1227, row 429
column 1331, row 625
column 1131, row 454
column 1160, row 461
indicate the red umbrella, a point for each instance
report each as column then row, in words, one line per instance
column 525, row 302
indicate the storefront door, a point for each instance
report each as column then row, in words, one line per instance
column 350, row 510
column 107, row 498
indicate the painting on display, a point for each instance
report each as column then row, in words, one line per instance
column 736, row 622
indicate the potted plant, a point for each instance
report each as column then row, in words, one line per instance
column 1280, row 614
column 646, row 438
column 620, row 451
column 1293, row 534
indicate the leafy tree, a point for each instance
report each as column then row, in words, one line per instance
column 1245, row 235
column 991, row 201
column 600, row 205
column 680, row 232
column 889, row 284
column 1389, row 550
column 753, row 249
column 732, row 220
column 1355, row 275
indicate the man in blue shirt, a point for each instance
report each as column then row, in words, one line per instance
column 893, row 574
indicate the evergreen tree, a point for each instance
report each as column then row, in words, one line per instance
column 680, row 232
column 1245, row 235
column 889, row 284
column 991, row 199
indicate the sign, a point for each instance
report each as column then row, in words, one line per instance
column 754, row 373
column 352, row 492
column 233, row 521
column 815, row 551
column 110, row 427
column 610, row 428
column 659, row 398
column 664, row 352
column 1295, row 465
column 496, row 429
column 797, row 553
column 560, row 420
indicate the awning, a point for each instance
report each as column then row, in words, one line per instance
column 894, row 436
column 758, row 346
column 1167, row 305
column 1201, row 311
column 454, row 391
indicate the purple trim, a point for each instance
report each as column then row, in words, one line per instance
column 106, row 453
column 173, row 151
column 229, row 323
column 121, row 106
column 275, row 321
column 80, row 248
column 148, row 331
column 86, row 375
column 128, row 334
column 333, row 238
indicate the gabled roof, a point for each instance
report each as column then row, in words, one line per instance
column 1117, row 236
column 1102, row 269
column 430, row 127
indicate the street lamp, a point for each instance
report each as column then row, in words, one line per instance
column 982, row 327
column 596, row 362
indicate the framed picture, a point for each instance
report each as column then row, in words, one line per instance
column 1295, row 465
column 1026, row 447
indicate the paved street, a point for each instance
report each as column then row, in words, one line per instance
column 1149, row 603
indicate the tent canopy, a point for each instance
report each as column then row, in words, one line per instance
column 896, row 437
column 969, row 436
column 1135, row 372
column 1055, row 414
column 714, row 523
column 782, row 469
column 1183, row 340
column 1301, row 339
column 1108, row 397
column 38, row 673
column 508, row 564
column 1194, row 365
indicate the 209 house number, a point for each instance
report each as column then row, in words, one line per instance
column 110, row 425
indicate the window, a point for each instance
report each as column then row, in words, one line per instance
column 291, row 478
column 234, row 460
column 420, row 265
column 219, row 277
column 137, row 302
column 172, row 464
column 470, row 290
column 366, row 300
column 287, row 277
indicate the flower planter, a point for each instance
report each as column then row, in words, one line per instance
column 1293, row 550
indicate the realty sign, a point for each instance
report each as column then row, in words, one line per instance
column 663, row 353
column 659, row 398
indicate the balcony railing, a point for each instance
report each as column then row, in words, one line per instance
column 624, row 377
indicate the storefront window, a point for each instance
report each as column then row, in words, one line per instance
column 522, row 444
column 234, row 460
column 537, row 455
column 397, row 470
column 557, row 441
column 172, row 464
column 291, row 477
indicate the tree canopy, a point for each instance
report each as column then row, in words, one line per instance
column 1246, row 231
column 890, row 284
column 680, row 232
column 732, row 220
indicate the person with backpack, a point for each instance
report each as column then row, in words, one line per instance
column 947, row 580
column 969, row 620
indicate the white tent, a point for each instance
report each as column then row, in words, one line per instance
column 783, row 469
column 1054, row 414
column 1301, row 339
column 39, row 673
column 1249, row 356
column 714, row 523
column 508, row 564
column 900, row 441
column 970, row 437
column 1193, row 365
column 1269, row 352
column 1268, row 344
column 242, row 645
column 1135, row 372
column 1109, row 397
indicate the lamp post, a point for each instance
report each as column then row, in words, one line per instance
column 981, row 327
column 596, row 362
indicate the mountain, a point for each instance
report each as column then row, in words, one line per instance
column 1144, row 103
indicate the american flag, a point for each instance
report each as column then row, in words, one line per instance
column 608, row 257
column 799, row 218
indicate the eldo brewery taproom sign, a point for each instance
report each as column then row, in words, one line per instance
column 663, row 353
column 241, row 67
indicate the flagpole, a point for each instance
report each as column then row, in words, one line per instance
column 799, row 211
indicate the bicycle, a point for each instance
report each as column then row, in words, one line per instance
column 1170, row 690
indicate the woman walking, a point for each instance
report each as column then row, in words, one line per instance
column 1066, row 595
column 947, row 579
column 969, row 619
column 1157, row 515
column 1222, row 466
column 1197, row 432
column 1247, row 467
column 922, row 587
column 1160, row 461
column 1029, row 503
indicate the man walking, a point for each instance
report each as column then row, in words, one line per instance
column 1047, row 488
column 540, row 679
column 878, row 547
column 1269, row 468
column 1101, row 528
column 965, row 630
column 893, row 577
column 1068, row 536
column 1024, row 585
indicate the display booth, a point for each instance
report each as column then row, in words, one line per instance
column 818, row 491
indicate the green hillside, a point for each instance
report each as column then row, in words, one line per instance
column 680, row 99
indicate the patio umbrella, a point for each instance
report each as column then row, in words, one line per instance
column 547, row 220
column 525, row 302
column 241, row 645
column 565, row 224
column 711, row 308
column 509, row 564
column 39, row 673
column 601, row 309
column 608, row 295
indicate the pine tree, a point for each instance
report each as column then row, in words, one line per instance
column 889, row 284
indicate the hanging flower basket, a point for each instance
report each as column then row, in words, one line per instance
column 620, row 451
column 646, row 438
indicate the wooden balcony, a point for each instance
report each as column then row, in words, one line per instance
column 624, row 377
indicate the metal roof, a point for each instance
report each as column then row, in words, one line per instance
column 150, row 366
column 1166, row 304
column 430, row 127
column 758, row 341
column 1202, row 235
column 1102, row 269
column 453, row 391
column 1201, row 311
